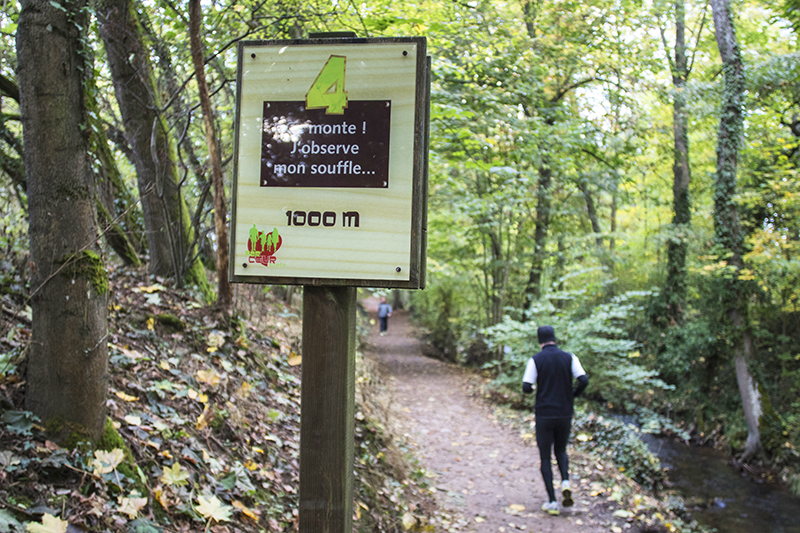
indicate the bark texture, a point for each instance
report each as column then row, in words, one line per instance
column 675, row 287
column 224, row 292
column 119, row 219
column 170, row 237
column 67, row 377
column 727, row 228
column 533, row 290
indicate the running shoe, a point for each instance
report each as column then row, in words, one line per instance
column 551, row 508
column 566, row 493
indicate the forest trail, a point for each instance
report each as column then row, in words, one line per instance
column 483, row 471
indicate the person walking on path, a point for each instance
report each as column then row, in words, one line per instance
column 384, row 312
column 551, row 371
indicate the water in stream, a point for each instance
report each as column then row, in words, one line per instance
column 732, row 503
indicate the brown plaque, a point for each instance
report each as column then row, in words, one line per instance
column 308, row 148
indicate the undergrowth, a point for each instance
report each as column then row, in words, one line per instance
column 208, row 419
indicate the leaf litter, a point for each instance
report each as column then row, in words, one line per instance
column 208, row 418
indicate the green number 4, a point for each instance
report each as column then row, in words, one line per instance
column 327, row 92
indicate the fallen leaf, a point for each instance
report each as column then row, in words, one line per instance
column 208, row 377
column 125, row 397
column 409, row 521
column 517, row 507
column 202, row 420
column 213, row 509
column 294, row 359
column 131, row 506
column 174, row 475
column 247, row 512
column 133, row 420
column 161, row 497
column 244, row 390
column 105, row 462
column 150, row 289
column 215, row 340
column 50, row 524
column 131, row 354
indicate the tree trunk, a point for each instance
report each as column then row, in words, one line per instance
column 613, row 221
column 591, row 210
column 67, row 376
column 675, row 287
column 169, row 233
column 117, row 212
column 181, row 117
column 499, row 276
column 748, row 388
column 530, row 10
column 727, row 229
column 533, row 290
column 224, row 293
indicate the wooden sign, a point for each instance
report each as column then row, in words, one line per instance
column 330, row 162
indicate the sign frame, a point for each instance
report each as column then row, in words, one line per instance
column 419, row 184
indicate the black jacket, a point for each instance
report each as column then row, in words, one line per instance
column 554, row 370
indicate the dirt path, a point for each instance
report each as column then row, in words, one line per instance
column 483, row 471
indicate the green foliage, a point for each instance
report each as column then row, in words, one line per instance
column 792, row 11
column 438, row 311
column 578, row 92
column 600, row 340
column 622, row 444
column 19, row 422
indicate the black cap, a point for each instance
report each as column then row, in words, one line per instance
column 546, row 334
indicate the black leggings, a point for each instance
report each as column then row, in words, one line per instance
column 553, row 433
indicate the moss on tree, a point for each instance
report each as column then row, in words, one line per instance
column 90, row 265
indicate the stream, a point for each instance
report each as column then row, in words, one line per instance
column 720, row 496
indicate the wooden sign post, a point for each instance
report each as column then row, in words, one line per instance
column 327, row 410
column 330, row 192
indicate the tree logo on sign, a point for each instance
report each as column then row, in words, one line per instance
column 261, row 246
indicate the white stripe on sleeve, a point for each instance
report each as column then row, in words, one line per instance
column 577, row 369
column 530, row 372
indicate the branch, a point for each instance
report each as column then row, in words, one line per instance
column 666, row 48
column 360, row 18
column 697, row 41
column 597, row 157
column 9, row 87
column 560, row 94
